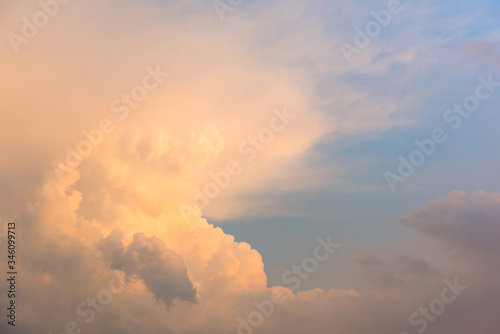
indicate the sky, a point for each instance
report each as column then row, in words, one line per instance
column 250, row 166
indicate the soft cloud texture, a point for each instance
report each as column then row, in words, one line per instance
column 386, row 274
column 224, row 78
column 63, row 247
column 119, row 212
column 465, row 224
column 162, row 270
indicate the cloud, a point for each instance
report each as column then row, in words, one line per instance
column 224, row 83
column 229, row 93
column 398, row 272
column 486, row 50
column 86, row 226
column 464, row 223
column 162, row 270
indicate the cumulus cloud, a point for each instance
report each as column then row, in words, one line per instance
column 83, row 227
column 223, row 85
column 78, row 230
column 228, row 92
column 162, row 270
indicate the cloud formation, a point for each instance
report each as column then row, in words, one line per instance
column 79, row 230
column 464, row 223
column 120, row 208
column 162, row 270
column 396, row 272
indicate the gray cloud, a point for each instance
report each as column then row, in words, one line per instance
column 162, row 270
column 395, row 272
column 464, row 223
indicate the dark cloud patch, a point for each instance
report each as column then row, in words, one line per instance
column 163, row 271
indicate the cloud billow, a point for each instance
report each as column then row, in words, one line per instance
column 162, row 270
